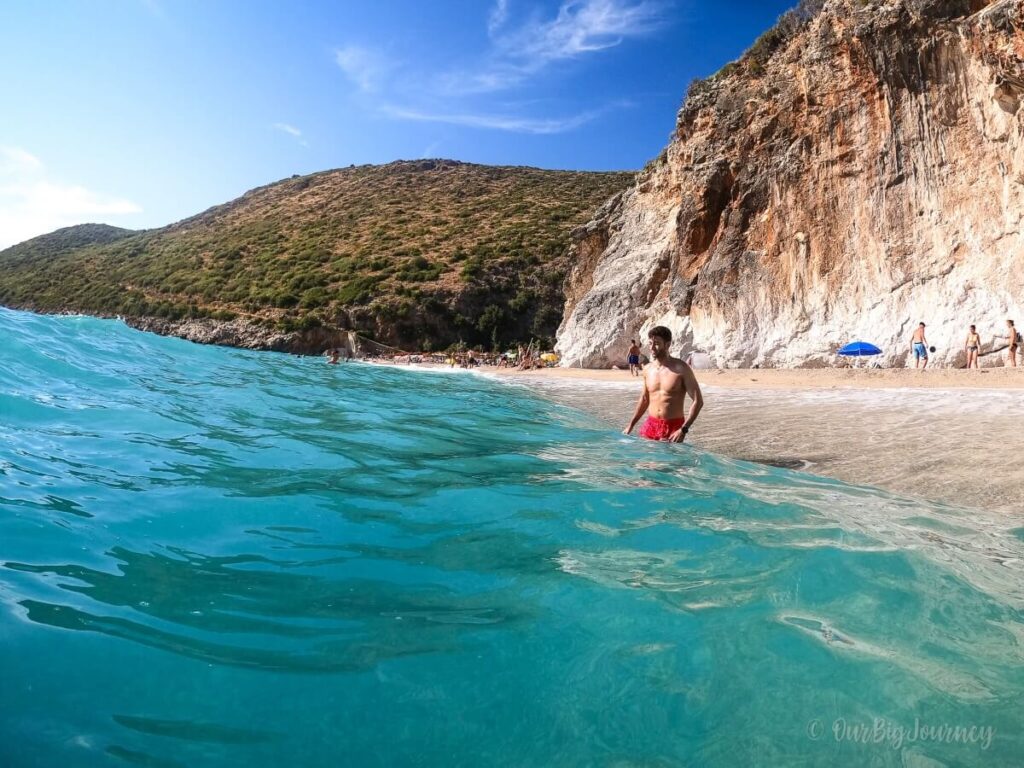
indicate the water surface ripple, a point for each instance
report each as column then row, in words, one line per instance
column 214, row 557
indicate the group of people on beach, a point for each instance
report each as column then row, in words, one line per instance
column 667, row 380
column 972, row 346
column 525, row 358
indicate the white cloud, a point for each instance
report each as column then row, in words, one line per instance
column 366, row 69
column 289, row 129
column 511, row 123
column 517, row 54
column 292, row 131
column 15, row 160
column 496, row 77
column 581, row 27
column 498, row 17
column 33, row 203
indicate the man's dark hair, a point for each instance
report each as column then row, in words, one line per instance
column 661, row 332
column 922, row 325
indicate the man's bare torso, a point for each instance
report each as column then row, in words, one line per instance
column 918, row 336
column 666, row 388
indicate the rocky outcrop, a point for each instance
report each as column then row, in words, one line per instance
column 867, row 175
column 244, row 334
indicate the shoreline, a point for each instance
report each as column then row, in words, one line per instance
column 934, row 436
column 243, row 335
column 804, row 378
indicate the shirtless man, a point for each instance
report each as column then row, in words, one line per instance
column 919, row 346
column 972, row 347
column 634, row 358
column 667, row 382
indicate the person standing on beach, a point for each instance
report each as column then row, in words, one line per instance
column 1014, row 343
column 667, row 382
column 972, row 346
column 919, row 346
column 634, row 358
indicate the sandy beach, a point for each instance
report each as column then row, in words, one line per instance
column 816, row 378
column 942, row 435
column 951, row 436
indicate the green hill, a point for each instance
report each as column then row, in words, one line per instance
column 39, row 249
column 415, row 254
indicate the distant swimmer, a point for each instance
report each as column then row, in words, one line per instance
column 919, row 347
column 667, row 382
column 634, row 358
column 972, row 347
column 333, row 359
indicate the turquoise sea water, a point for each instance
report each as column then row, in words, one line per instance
column 211, row 557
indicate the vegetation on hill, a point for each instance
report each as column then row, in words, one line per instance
column 755, row 58
column 41, row 248
column 416, row 254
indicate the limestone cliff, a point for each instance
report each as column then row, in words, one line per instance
column 866, row 175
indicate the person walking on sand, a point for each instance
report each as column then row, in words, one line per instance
column 634, row 358
column 667, row 382
column 919, row 346
column 972, row 346
column 1015, row 341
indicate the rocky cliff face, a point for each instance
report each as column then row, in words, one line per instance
column 867, row 175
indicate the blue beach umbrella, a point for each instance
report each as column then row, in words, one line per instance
column 859, row 349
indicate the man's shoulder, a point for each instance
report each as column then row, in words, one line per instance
column 677, row 365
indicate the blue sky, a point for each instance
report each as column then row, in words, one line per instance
column 142, row 112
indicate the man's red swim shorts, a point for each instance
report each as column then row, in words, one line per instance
column 660, row 429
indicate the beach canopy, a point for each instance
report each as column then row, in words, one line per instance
column 859, row 349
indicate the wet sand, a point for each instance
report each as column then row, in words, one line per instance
column 817, row 378
column 952, row 436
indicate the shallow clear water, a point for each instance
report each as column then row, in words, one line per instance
column 212, row 557
column 960, row 447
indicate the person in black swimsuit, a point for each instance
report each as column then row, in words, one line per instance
column 972, row 346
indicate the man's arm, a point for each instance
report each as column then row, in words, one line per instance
column 641, row 408
column 697, row 402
